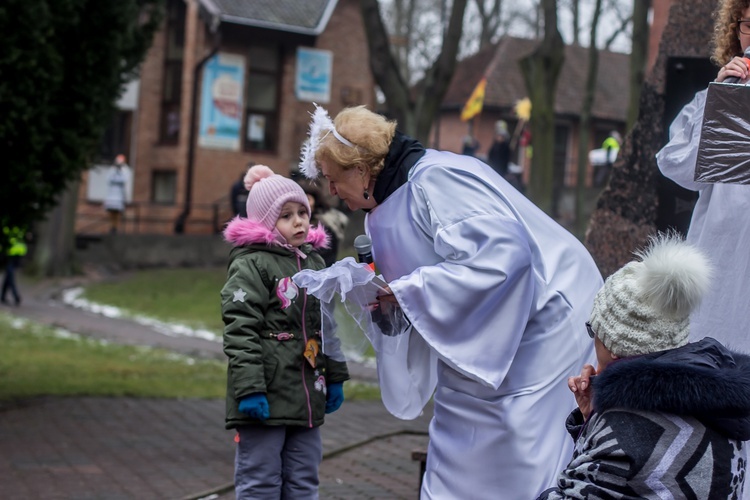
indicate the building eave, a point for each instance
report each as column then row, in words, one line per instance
column 217, row 14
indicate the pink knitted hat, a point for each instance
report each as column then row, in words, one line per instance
column 268, row 193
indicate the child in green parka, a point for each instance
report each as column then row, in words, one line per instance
column 282, row 375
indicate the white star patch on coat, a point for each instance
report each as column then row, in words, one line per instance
column 239, row 295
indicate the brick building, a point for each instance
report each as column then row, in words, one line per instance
column 226, row 82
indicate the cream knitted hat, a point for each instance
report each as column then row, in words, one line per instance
column 268, row 193
column 645, row 306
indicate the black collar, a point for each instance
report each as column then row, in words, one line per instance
column 403, row 153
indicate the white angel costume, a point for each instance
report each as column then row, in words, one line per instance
column 496, row 295
column 720, row 227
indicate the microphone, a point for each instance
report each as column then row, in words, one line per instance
column 746, row 57
column 363, row 246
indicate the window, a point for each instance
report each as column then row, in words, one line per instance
column 116, row 139
column 262, row 112
column 164, row 186
column 169, row 127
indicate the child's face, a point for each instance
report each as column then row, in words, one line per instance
column 293, row 223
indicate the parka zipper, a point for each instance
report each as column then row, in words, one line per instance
column 304, row 336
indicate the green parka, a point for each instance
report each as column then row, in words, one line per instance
column 269, row 324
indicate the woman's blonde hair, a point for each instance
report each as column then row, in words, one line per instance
column 726, row 30
column 371, row 134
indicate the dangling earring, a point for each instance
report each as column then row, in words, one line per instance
column 366, row 195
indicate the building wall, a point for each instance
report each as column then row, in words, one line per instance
column 452, row 130
column 215, row 170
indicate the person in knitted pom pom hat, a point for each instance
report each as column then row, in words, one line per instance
column 659, row 416
column 283, row 376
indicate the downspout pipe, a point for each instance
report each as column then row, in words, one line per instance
column 179, row 225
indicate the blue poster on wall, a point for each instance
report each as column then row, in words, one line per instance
column 221, row 102
column 313, row 81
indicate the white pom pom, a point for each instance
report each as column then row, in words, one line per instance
column 674, row 275
column 256, row 173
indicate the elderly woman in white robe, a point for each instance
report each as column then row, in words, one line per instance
column 497, row 295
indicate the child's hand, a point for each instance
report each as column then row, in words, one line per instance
column 255, row 405
column 580, row 386
column 334, row 396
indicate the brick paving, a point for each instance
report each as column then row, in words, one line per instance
column 379, row 469
column 127, row 448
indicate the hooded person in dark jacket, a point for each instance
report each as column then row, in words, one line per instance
column 283, row 374
column 659, row 417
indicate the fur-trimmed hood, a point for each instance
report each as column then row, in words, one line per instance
column 242, row 232
column 702, row 379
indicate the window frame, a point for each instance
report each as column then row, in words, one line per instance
column 271, row 117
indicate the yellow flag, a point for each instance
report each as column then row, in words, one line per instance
column 523, row 109
column 474, row 105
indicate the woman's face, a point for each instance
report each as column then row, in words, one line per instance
column 745, row 39
column 349, row 185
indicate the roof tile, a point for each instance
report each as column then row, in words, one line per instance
column 505, row 85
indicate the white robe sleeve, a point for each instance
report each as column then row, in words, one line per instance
column 677, row 159
column 473, row 307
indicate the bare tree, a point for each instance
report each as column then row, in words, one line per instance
column 414, row 111
column 401, row 21
column 586, row 108
column 575, row 10
column 585, row 119
column 490, row 15
column 638, row 56
column 541, row 70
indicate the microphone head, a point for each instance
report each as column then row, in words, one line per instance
column 363, row 244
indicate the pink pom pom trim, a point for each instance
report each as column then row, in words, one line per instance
column 256, row 173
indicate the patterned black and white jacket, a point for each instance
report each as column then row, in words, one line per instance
column 665, row 425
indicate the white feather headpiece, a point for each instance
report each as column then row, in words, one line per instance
column 320, row 126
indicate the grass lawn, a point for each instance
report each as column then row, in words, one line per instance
column 38, row 360
column 186, row 296
column 191, row 297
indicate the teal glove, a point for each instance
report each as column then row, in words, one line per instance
column 334, row 397
column 255, row 405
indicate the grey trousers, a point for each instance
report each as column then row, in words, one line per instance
column 277, row 462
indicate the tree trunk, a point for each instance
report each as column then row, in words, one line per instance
column 626, row 211
column 585, row 123
column 541, row 70
column 638, row 57
column 415, row 116
column 55, row 237
column 490, row 20
column 576, row 21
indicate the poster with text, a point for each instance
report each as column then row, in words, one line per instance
column 221, row 102
column 313, row 80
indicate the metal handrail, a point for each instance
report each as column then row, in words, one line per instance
column 134, row 220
